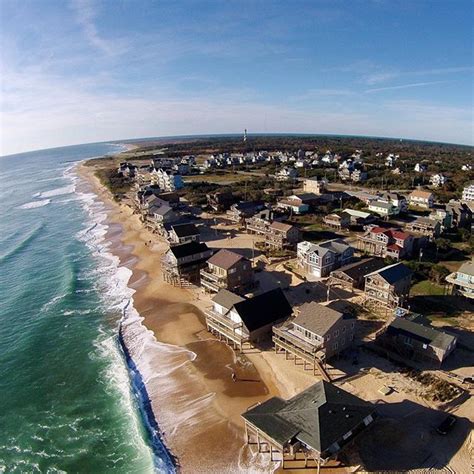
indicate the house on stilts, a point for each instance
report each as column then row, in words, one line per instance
column 241, row 321
column 310, row 428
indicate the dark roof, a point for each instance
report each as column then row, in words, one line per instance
column 360, row 269
column 393, row 273
column 318, row 417
column 227, row 299
column 225, row 259
column 420, row 332
column 249, row 205
column 263, row 309
column 189, row 248
column 317, row 318
column 184, row 230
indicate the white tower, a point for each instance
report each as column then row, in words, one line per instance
column 245, row 135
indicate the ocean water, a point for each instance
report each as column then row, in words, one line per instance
column 68, row 402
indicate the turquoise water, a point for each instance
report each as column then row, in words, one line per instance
column 66, row 402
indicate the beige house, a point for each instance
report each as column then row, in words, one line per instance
column 421, row 198
column 227, row 270
column 316, row 334
column 315, row 185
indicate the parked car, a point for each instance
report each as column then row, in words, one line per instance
column 446, row 425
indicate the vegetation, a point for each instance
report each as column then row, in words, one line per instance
column 115, row 183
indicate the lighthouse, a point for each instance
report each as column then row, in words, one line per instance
column 245, row 135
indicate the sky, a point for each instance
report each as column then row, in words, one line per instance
column 84, row 71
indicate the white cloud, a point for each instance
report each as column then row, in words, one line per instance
column 405, row 86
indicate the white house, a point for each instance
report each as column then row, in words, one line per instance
column 438, row 180
column 468, row 193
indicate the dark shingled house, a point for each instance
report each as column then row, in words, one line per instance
column 353, row 275
column 417, row 342
column 316, row 424
column 239, row 320
column 182, row 263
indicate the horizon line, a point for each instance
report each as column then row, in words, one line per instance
column 234, row 134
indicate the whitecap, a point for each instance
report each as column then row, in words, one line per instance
column 35, row 204
column 56, row 192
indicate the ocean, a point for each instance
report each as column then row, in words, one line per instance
column 69, row 402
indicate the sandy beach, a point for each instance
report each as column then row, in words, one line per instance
column 195, row 400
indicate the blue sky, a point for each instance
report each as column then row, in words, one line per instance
column 86, row 70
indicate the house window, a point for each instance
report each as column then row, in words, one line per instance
column 328, row 337
column 408, row 341
column 347, row 435
column 336, row 334
column 368, row 420
column 232, row 270
column 335, row 346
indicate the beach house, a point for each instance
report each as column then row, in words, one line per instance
column 227, row 270
column 315, row 185
column 313, row 426
column 242, row 322
column 352, row 276
column 319, row 260
column 389, row 286
column 182, row 233
column 315, row 335
column 421, row 198
column 182, row 263
column 382, row 242
column 462, row 281
column 415, row 342
column 430, row 228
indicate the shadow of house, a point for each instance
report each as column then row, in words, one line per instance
column 320, row 235
column 396, row 444
column 444, row 305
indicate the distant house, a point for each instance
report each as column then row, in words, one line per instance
column 353, row 275
column 468, row 193
column 417, row 342
column 398, row 201
column 421, row 198
column 127, row 170
column 438, row 180
column 382, row 208
column 360, row 218
column 425, row 226
column 389, row 286
column 243, row 210
column 420, row 168
column 462, row 281
column 182, row 263
column 182, row 233
column 316, row 424
column 293, row 204
column 337, row 221
column 167, row 181
column 316, row 334
column 220, row 201
column 160, row 213
column 321, row 259
column 382, row 242
column 227, row 270
column 443, row 216
column 278, row 235
column 286, row 174
column 315, row 185
column 244, row 321
column 461, row 214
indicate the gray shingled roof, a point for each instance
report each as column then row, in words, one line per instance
column 425, row 334
column 361, row 268
column 318, row 417
column 227, row 299
column 225, row 259
column 393, row 273
column 317, row 318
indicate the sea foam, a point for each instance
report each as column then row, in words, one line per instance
column 135, row 337
column 35, row 204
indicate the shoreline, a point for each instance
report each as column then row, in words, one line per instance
column 185, row 370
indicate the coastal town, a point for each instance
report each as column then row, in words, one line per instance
column 349, row 275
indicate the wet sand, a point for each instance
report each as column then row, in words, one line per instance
column 195, row 400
